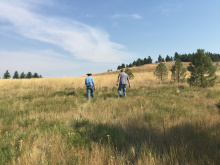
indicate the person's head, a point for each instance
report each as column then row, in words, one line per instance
column 89, row 74
column 122, row 70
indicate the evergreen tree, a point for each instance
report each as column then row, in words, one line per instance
column 139, row 62
column 145, row 61
column 29, row 75
column 130, row 74
column 22, row 75
column 134, row 63
column 171, row 58
column 173, row 71
column 16, row 75
column 161, row 71
column 36, row 75
column 130, row 65
column 7, row 75
column 159, row 58
column 202, row 70
column 176, row 56
column 123, row 65
column 178, row 71
column 149, row 60
column 168, row 58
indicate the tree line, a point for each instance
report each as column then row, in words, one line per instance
column 16, row 75
column 188, row 57
column 138, row 62
column 183, row 57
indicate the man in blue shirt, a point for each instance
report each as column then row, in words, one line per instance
column 90, row 84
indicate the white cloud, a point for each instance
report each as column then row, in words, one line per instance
column 81, row 40
column 136, row 16
column 170, row 8
column 133, row 16
column 89, row 16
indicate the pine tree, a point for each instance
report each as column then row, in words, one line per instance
column 202, row 70
column 29, row 75
column 173, row 75
column 7, row 75
column 119, row 67
column 176, row 56
column 16, row 75
column 145, row 61
column 138, row 62
column 178, row 71
column 160, row 58
column 22, row 75
column 36, row 75
column 149, row 60
column 130, row 65
column 123, row 65
column 167, row 59
column 171, row 58
column 161, row 71
column 134, row 63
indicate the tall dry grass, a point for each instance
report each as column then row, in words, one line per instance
column 50, row 121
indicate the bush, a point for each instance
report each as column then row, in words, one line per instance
column 130, row 74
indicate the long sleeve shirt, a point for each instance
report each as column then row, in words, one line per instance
column 89, row 81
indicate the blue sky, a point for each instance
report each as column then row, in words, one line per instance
column 69, row 38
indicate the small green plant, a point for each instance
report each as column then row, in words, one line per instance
column 129, row 72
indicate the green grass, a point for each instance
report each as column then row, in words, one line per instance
column 167, row 124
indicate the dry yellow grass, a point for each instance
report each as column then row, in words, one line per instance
column 158, row 123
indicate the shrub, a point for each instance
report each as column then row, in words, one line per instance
column 130, row 74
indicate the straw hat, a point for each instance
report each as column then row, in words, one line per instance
column 89, row 73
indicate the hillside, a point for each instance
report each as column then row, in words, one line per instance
column 50, row 121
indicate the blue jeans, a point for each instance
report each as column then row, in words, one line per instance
column 123, row 86
column 90, row 89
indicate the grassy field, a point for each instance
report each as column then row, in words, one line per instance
column 50, row 121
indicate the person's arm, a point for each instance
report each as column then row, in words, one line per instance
column 93, row 83
column 118, row 81
column 94, row 86
column 129, row 83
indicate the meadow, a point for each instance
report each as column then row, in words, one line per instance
column 50, row 121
